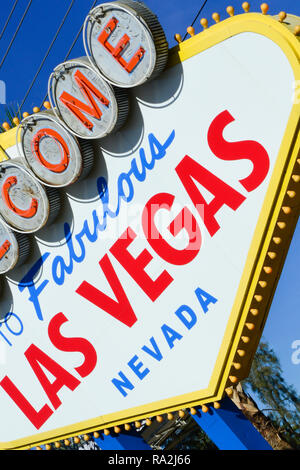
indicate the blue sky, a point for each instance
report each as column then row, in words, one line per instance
column 30, row 46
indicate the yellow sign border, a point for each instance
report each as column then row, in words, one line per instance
column 273, row 234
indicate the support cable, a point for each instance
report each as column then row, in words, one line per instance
column 197, row 16
column 8, row 19
column 71, row 48
column 16, row 32
column 46, row 55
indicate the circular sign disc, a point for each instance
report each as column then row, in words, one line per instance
column 125, row 41
column 84, row 102
column 9, row 249
column 24, row 204
column 52, row 153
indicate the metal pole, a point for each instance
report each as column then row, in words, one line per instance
column 229, row 429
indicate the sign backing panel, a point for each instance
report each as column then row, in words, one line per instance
column 223, row 69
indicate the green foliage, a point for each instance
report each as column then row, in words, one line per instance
column 196, row 440
column 189, row 437
column 280, row 399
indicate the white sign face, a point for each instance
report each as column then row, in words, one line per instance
column 108, row 319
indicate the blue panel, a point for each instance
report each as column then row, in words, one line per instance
column 124, row 441
column 229, row 429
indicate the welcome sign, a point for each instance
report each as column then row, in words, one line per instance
column 149, row 290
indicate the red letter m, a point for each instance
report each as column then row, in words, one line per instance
column 76, row 106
